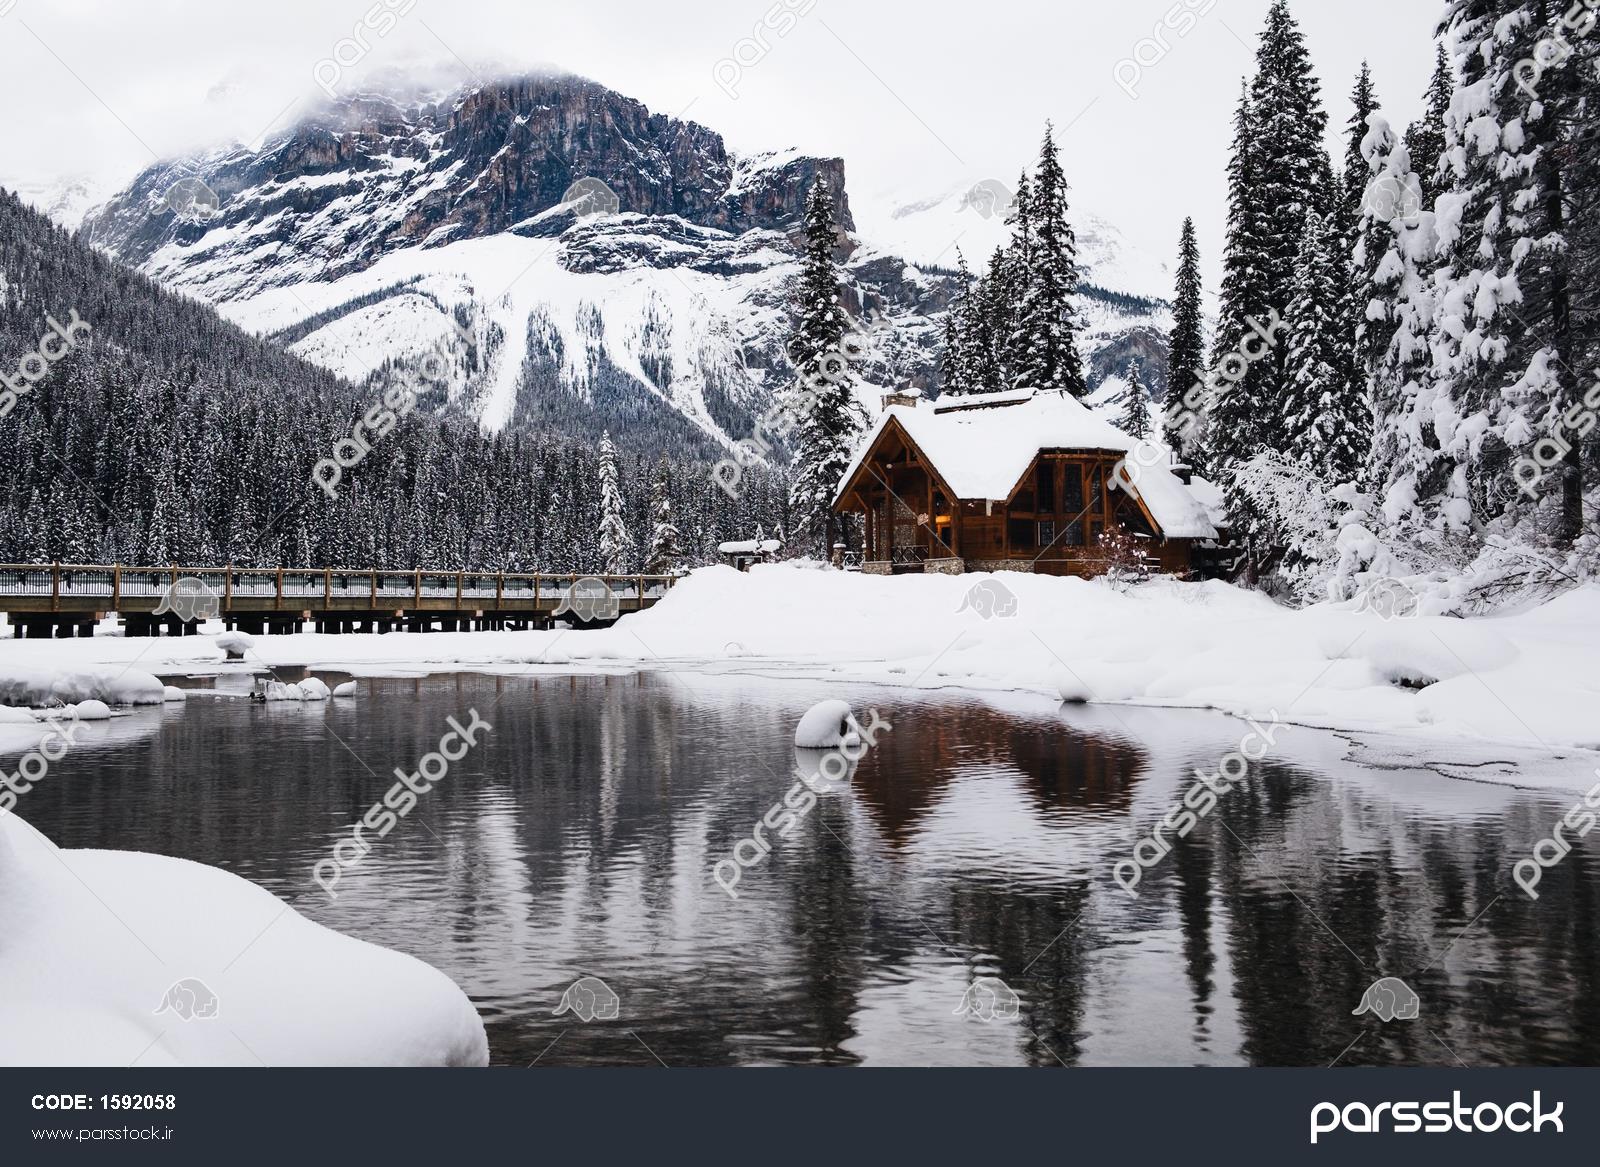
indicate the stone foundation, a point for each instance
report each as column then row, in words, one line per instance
column 948, row 566
column 999, row 565
column 884, row 568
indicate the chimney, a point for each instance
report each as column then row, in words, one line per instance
column 907, row 397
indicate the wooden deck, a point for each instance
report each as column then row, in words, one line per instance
column 62, row 599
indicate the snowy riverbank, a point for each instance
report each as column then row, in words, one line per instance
column 1525, row 678
column 115, row 958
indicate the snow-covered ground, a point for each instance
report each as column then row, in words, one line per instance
column 122, row 959
column 1522, row 682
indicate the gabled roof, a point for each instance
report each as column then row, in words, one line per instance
column 983, row 444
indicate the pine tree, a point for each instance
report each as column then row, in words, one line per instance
column 1293, row 175
column 615, row 542
column 831, row 420
column 1235, row 409
column 1047, row 327
column 1185, row 353
column 962, row 335
column 1135, row 421
column 665, row 553
column 1425, row 138
column 1328, row 427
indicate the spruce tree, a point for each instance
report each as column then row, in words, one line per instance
column 1235, row 409
column 1048, row 324
column 1425, row 138
column 1135, row 420
column 615, row 542
column 665, row 554
column 1328, row 428
column 830, row 418
column 1292, row 175
column 1185, row 353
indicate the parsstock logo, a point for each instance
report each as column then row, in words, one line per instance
column 1435, row 1118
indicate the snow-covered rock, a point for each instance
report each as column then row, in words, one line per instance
column 90, row 710
column 825, row 725
column 173, row 693
column 310, row 689
column 235, row 644
column 117, row 958
column 348, row 689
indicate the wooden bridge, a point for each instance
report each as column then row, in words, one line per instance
column 66, row 599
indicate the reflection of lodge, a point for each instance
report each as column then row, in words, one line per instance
column 1019, row 481
column 1063, row 769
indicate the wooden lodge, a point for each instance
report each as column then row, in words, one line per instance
column 1017, row 481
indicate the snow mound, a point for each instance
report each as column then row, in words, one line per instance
column 310, row 689
column 348, row 689
column 825, row 725
column 117, row 958
column 47, row 686
column 173, row 693
column 235, row 644
column 87, row 711
column 10, row 716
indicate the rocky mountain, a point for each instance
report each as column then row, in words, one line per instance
column 583, row 262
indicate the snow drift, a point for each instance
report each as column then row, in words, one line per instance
column 116, row 958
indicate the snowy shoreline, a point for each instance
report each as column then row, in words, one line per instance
column 1518, row 680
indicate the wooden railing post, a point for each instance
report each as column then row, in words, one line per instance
column 278, row 603
column 536, row 591
column 227, row 590
column 327, row 589
column 641, row 591
column 418, row 598
column 374, row 591
column 55, row 587
column 116, row 587
column 499, row 589
column 460, row 576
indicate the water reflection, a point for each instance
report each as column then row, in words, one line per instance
column 579, row 838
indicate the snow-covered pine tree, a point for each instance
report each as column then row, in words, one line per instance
column 1135, row 420
column 1185, row 352
column 962, row 325
column 1292, row 175
column 993, row 306
column 1235, row 410
column 1425, row 138
column 1499, row 375
column 666, row 554
column 1328, row 427
column 831, row 420
column 1350, row 279
column 1016, row 266
column 1048, row 324
column 615, row 542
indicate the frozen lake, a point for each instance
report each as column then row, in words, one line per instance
column 977, row 840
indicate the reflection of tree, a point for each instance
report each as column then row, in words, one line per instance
column 1041, row 946
column 1305, row 870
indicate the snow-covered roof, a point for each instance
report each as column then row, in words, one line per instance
column 750, row 547
column 982, row 445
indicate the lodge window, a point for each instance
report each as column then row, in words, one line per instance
column 1072, row 490
column 1047, row 488
column 1022, row 534
column 1047, row 533
column 1073, row 536
column 1094, row 486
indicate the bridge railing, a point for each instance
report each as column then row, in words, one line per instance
column 303, row 587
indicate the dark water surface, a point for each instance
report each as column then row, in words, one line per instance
column 579, row 837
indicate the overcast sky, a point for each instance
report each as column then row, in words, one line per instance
column 915, row 97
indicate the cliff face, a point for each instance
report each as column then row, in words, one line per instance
column 370, row 175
